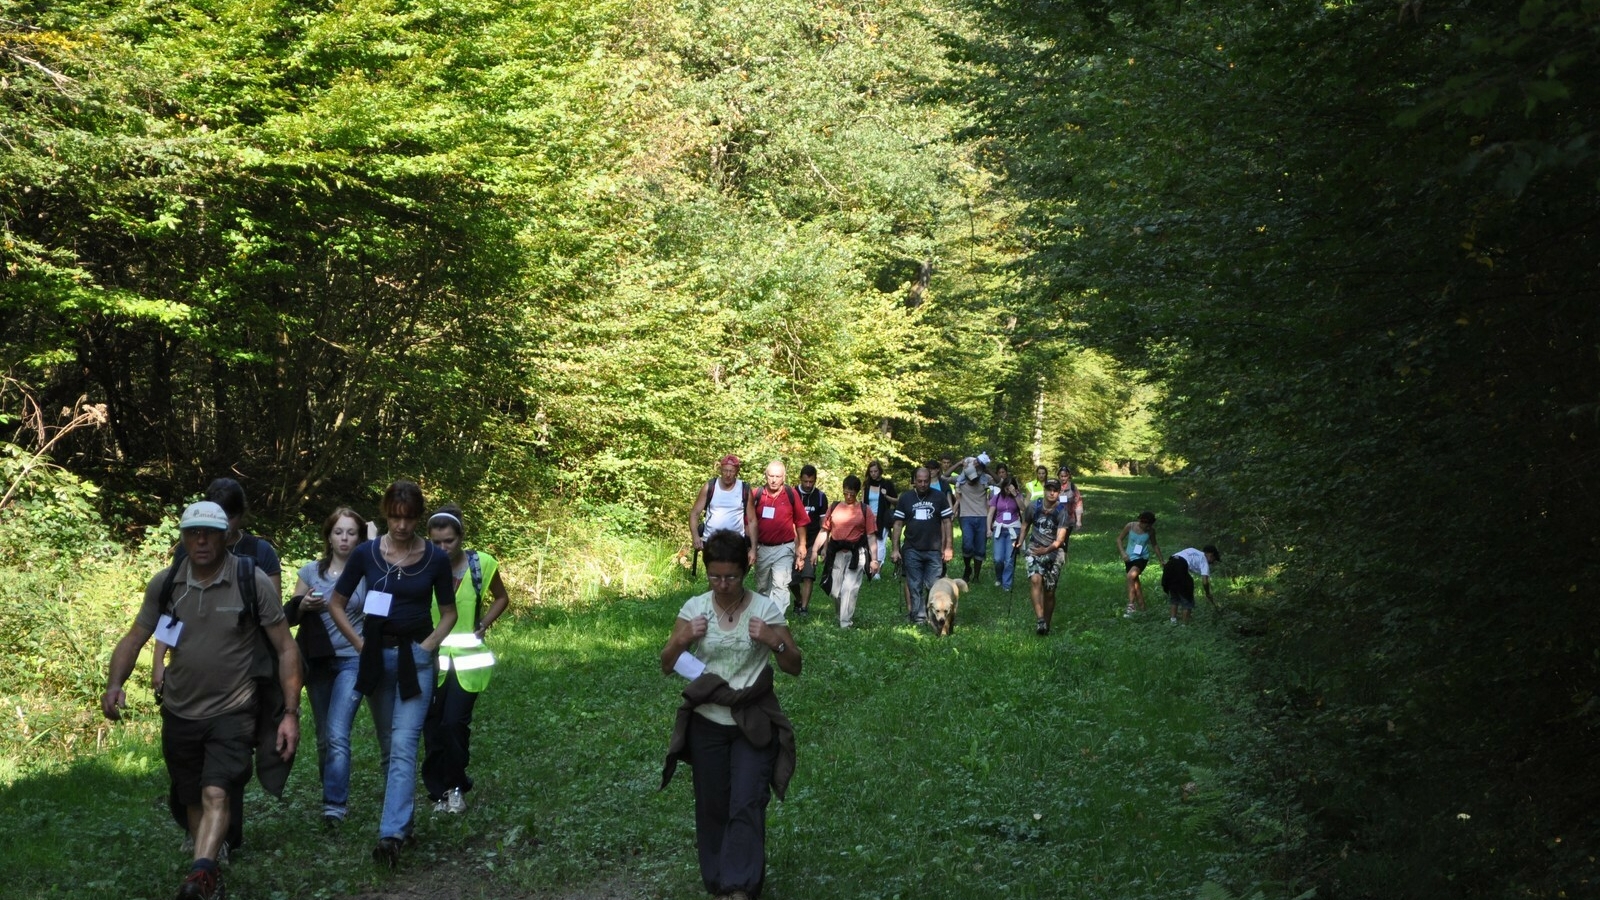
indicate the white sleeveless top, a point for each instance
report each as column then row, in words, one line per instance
column 726, row 509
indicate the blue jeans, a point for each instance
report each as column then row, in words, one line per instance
column 331, row 685
column 922, row 569
column 399, row 724
column 1005, row 558
column 973, row 535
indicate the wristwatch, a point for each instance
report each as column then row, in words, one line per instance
column 292, row 713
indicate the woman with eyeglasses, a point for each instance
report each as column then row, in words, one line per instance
column 730, row 728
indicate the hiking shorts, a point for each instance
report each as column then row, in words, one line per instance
column 1047, row 567
column 202, row 753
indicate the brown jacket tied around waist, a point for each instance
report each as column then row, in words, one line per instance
column 755, row 711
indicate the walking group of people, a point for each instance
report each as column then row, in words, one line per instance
column 730, row 726
column 797, row 533
column 398, row 619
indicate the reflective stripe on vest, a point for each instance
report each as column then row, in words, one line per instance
column 460, row 641
column 466, row 662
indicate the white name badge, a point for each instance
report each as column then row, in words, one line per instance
column 1007, row 516
column 769, row 512
column 688, row 666
column 378, row 603
column 169, row 630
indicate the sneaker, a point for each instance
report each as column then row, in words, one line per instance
column 331, row 822
column 1172, row 621
column 454, row 802
column 387, row 853
column 441, row 805
column 1040, row 627
column 997, row 584
column 202, row 884
column 805, row 610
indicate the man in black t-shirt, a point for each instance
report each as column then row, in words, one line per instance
column 1047, row 534
column 923, row 515
column 816, row 504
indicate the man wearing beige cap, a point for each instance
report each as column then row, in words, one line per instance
column 208, row 703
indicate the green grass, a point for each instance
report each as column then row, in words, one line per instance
column 1102, row 761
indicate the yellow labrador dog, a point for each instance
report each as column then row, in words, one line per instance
column 942, row 604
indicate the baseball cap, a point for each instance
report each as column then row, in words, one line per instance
column 204, row 514
column 1051, row 484
column 730, row 459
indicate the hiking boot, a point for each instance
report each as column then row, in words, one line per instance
column 202, row 884
column 387, row 853
column 454, row 802
column 441, row 806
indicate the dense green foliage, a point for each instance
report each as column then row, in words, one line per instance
column 1355, row 243
column 518, row 248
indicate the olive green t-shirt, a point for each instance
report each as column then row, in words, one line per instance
column 209, row 671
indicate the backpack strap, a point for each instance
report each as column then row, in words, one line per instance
column 164, row 604
column 476, row 568
column 246, row 572
column 705, row 498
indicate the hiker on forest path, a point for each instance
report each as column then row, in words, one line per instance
column 198, row 607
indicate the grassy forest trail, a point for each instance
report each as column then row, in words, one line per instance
column 1097, row 762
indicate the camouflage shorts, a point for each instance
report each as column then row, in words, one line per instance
column 1047, row 567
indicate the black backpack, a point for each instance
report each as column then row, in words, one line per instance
column 245, row 572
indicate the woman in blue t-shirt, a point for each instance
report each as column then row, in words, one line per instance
column 405, row 576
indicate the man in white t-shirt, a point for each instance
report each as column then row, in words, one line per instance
column 724, row 503
column 1177, row 579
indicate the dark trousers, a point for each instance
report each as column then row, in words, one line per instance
column 447, row 736
column 731, row 792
